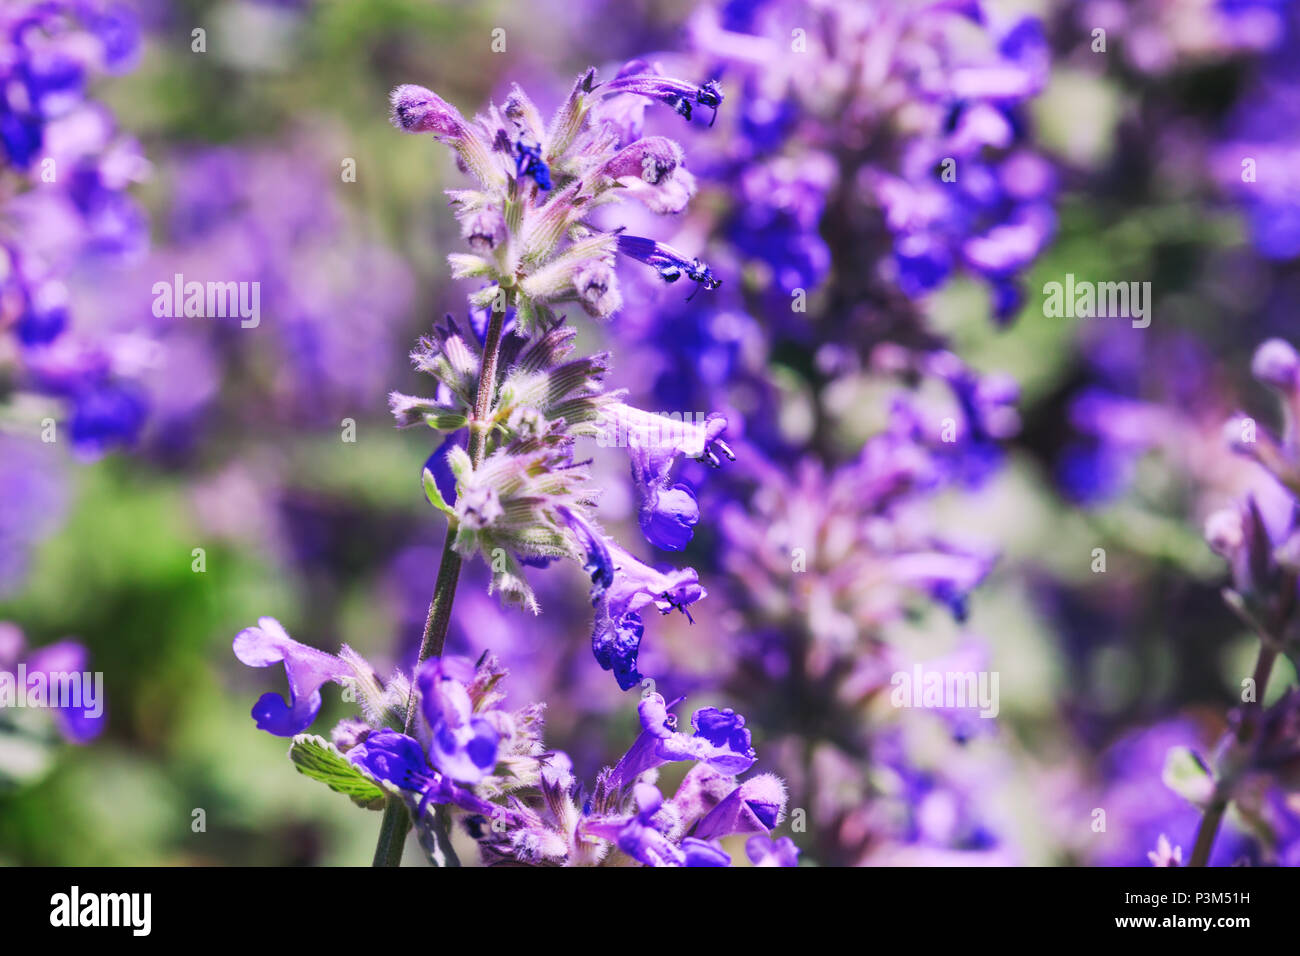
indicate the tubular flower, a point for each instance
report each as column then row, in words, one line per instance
column 307, row 669
column 668, row 512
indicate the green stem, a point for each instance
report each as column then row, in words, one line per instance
column 397, row 822
column 392, row 834
column 479, row 425
column 1208, row 830
column 1206, row 833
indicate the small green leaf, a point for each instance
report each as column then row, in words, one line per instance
column 1187, row 775
column 445, row 420
column 319, row 759
column 434, row 495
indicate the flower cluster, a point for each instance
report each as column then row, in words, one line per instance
column 530, row 221
column 854, row 190
column 506, row 475
column 63, row 204
column 1259, row 537
column 512, row 402
column 625, row 818
column 1255, row 163
column 945, row 176
column 517, row 800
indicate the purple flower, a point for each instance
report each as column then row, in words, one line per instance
column 599, row 564
column 417, row 110
column 398, row 759
column 622, row 586
column 756, row 806
column 1263, row 128
column 668, row 512
column 642, row 835
column 667, row 261
column 463, row 746
column 79, row 720
column 391, row 756
column 651, row 160
column 764, row 851
column 681, row 96
column 48, row 53
column 307, row 669
column 105, row 416
column 721, row 741
column 697, row 852
column 618, row 628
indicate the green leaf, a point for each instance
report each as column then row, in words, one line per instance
column 319, row 759
column 446, row 420
column 434, row 495
column 1187, row 775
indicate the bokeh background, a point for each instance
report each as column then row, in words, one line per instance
column 1119, row 164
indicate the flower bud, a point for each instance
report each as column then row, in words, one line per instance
column 1277, row 365
column 597, row 288
column 1224, row 532
column 480, row 507
column 417, row 110
column 349, row 733
column 483, row 229
column 650, row 159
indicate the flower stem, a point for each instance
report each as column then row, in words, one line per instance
column 396, row 822
column 1208, row 830
column 487, row 382
column 392, row 834
column 1209, row 827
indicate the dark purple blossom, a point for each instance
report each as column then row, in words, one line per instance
column 720, row 740
column 668, row 262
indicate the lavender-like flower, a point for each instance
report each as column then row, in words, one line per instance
column 944, row 165
column 462, row 745
column 720, row 741
column 306, row 668
column 1260, row 539
column 669, row 511
column 67, row 172
column 640, row 78
column 668, row 262
column 512, row 404
column 487, row 767
column 514, row 490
